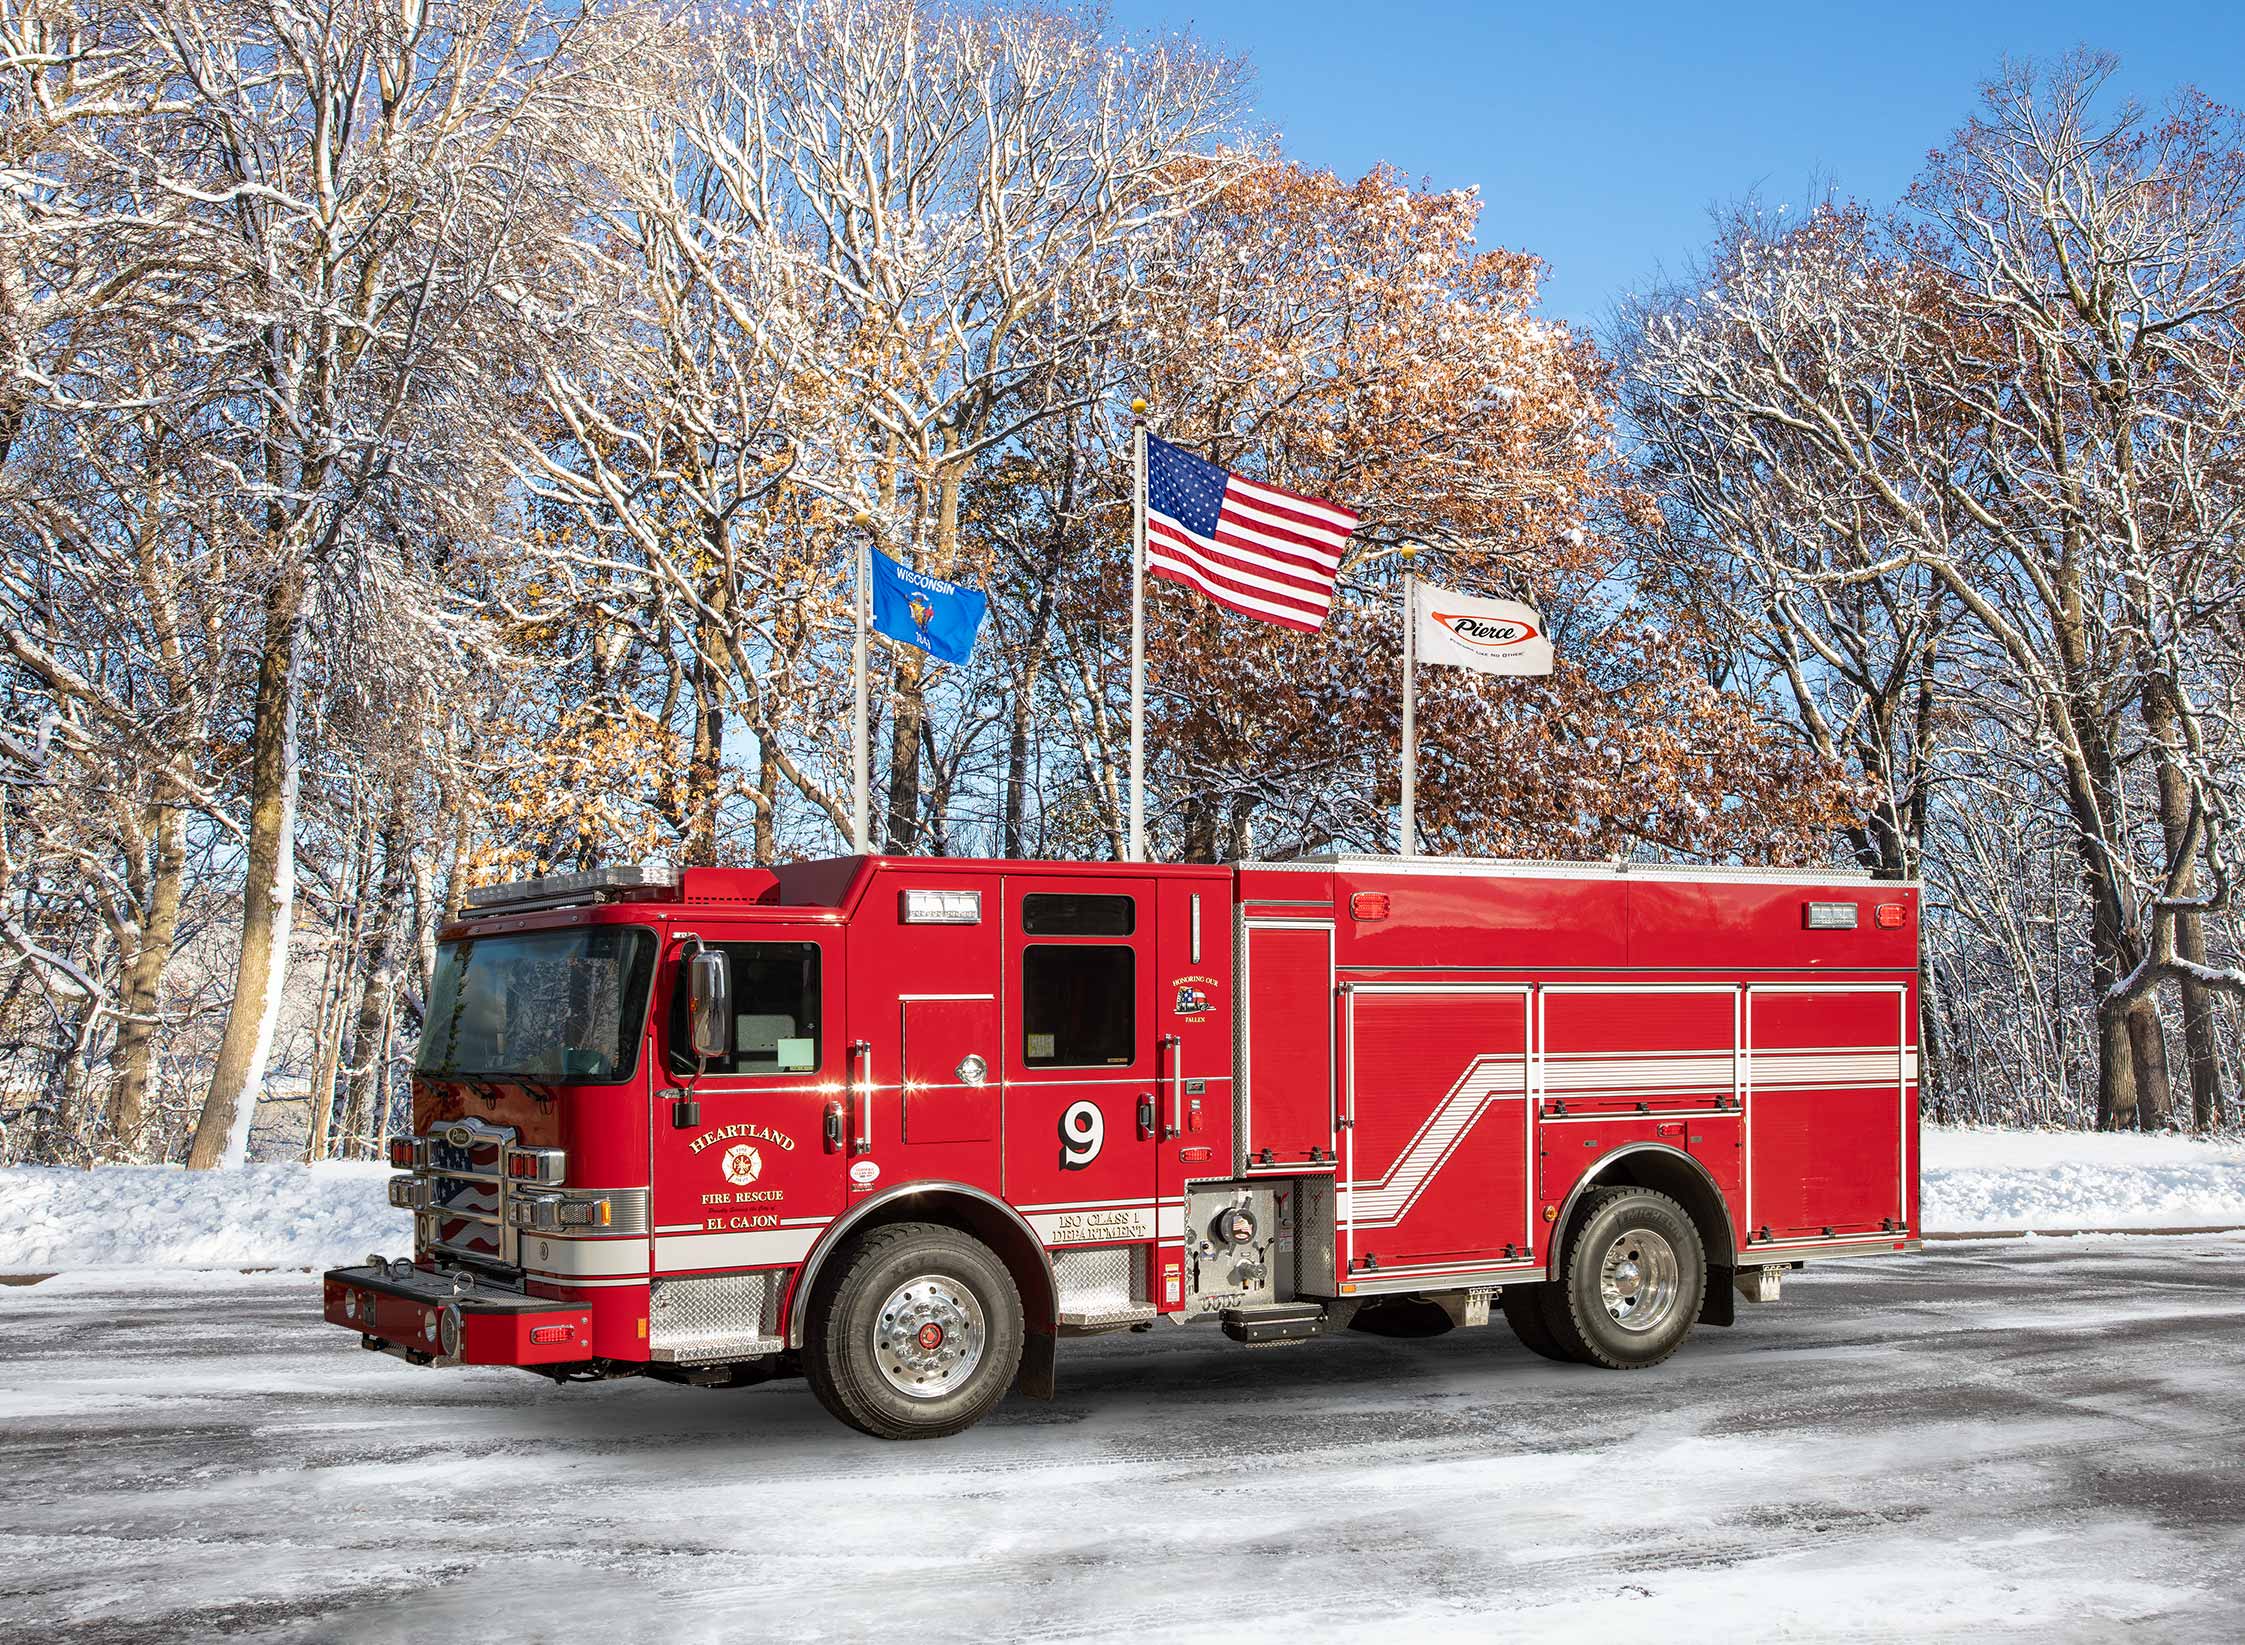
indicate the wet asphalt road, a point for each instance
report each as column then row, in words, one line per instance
column 2001, row 1440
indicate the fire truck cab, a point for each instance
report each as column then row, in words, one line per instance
column 901, row 1124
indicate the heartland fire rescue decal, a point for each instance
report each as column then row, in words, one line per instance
column 726, row 1133
column 741, row 1163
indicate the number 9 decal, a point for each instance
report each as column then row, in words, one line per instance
column 1082, row 1130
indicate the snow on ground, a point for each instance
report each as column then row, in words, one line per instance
column 290, row 1216
column 1985, row 1179
column 2020, row 1441
column 132, row 1216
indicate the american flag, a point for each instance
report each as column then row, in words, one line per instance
column 1251, row 547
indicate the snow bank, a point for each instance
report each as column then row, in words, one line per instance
column 1987, row 1179
column 260, row 1216
column 292, row 1216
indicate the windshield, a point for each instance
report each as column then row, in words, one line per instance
column 547, row 1005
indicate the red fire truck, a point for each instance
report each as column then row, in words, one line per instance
column 901, row 1124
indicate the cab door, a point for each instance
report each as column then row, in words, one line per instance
column 748, row 1158
column 1081, row 1056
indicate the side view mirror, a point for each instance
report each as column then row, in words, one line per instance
column 709, row 1003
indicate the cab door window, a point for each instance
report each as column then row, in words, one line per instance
column 778, row 1010
column 1078, row 1005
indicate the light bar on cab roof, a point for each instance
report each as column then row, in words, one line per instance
column 559, row 890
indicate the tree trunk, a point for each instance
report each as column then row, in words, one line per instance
column 1932, row 1082
column 910, row 685
column 377, row 981
column 1015, row 840
column 705, row 767
column 901, row 826
column 335, row 983
column 2200, row 1041
column 2116, row 1079
column 2201, row 1033
column 135, row 1054
column 767, row 844
column 2147, row 1046
column 268, row 888
column 2116, row 1072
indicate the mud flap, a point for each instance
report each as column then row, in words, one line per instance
column 1038, row 1377
column 1720, row 1305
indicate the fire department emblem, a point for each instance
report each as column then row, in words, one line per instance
column 742, row 1165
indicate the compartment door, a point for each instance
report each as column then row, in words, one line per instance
column 1828, row 1108
column 1287, row 1066
column 948, row 1051
column 1438, row 1150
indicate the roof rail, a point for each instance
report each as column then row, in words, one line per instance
column 1611, row 868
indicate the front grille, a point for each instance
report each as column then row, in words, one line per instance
column 466, row 1210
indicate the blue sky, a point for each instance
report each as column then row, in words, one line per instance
column 1600, row 135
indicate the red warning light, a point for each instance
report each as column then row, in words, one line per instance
column 1369, row 905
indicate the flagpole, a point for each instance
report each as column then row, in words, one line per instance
column 1410, row 703
column 861, row 798
column 1138, row 631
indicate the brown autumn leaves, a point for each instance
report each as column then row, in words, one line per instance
column 1344, row 339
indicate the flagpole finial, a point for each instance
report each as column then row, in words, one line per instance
column 1138, row 408
column 1409, row 551
column 862, row 520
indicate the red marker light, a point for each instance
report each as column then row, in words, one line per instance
column 546, row 1335
column 1369, row 905
column 1888, row 916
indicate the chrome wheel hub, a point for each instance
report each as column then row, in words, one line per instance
column 928, row 1337
column 1640, row 1281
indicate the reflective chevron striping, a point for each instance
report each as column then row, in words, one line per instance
column 1663, row 1074
column 1583, row 1073
column 1484, row 1080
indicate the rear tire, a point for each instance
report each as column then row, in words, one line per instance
column 919, row 1337
column 1631, row 1283
column 1524, row 1311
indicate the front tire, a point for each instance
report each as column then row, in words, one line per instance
column 919, row 1337
column 1630, row 1288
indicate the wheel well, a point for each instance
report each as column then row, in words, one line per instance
column 1665, row 1171
column 989, row 1221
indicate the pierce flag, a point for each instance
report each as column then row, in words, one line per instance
column 939, row 617
column 1494, row 636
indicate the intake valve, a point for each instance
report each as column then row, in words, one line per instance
column 1234, row 1225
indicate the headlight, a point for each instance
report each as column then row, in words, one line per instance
column 550, row 1213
